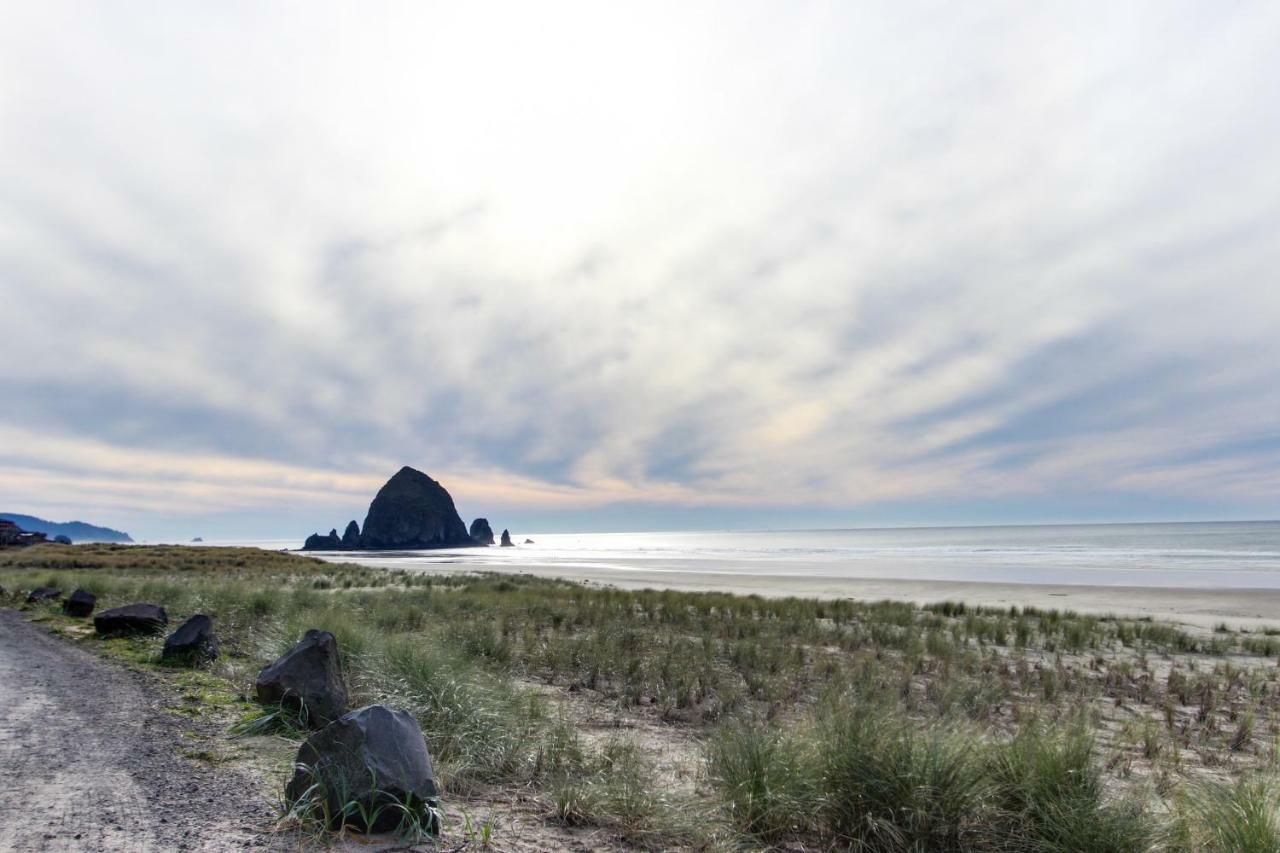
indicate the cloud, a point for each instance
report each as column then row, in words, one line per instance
column 732, row 256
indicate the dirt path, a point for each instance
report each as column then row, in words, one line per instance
column 90, row 760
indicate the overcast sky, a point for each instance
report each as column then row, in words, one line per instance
column 674, row 265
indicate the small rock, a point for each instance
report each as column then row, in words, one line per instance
column 193, row 642
column 138, row 618
column 481, row 532
column 374, row 756
column 43, row 593
column 308, row 677
column 351, row 536
column 316, row 542
column 79, row 604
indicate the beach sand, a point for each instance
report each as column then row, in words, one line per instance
column 1246, row 609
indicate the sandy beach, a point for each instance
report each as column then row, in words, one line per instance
column 1247, row 609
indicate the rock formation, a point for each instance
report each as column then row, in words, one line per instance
column 410, row 511
column 506, row 539
column 193, row 642
column 317, row 542
column 62, row 539
column 413, row 511
column 351, row 536
column 308, row 678
column 79, row 604
column 131, row 619
column 481, row 532
column 375, row 757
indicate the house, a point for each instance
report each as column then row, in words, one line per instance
column 12, row 534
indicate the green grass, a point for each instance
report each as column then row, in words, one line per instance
column 870, row 725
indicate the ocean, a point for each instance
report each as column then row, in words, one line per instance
column 1202, row 555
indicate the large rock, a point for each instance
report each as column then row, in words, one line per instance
column 62, row 539
column 369, row 767
column 193, row 642
column 317, row 542
column 413, row 511
column 481, row 532
column 138, row 618
column 43, row 593
column 80, row 604
column 351, row 536
column 506, row 539
column 308, row 678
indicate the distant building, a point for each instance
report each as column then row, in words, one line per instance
column 13, row 535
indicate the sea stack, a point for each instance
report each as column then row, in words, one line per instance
column 410, row 511
column 481, row 532
column 506, row 539
column 413, row 511
column 351, row 536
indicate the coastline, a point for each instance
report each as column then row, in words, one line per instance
column 1201, row 608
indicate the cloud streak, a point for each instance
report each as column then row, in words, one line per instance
column 732, row 257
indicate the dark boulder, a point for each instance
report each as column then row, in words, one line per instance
column 528, row 541
column 413, row 511
column 79, row 604
column 43, row 593
column 62, row 539
column 131, row 619
column 317, row 542
column 506, row 539
column 351, row 536
column 373, row 757
column 193, row 642
column 481, row 532
column 308, row 678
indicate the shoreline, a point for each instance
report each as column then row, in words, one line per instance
column 1196, row 607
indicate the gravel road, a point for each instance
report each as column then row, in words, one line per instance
column 90, row 760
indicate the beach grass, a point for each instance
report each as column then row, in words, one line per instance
column 670, row 719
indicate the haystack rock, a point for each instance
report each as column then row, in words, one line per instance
column 413, row 511
column 351, row 536
column 506, row 539
column 482, row 532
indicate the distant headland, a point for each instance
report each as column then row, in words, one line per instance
column 76, row 531
column 411, row 511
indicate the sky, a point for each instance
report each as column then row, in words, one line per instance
column 639, row 266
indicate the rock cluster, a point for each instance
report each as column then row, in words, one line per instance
column 410, row 511
column 307, row 678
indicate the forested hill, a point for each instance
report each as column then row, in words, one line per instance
column 76, row 531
